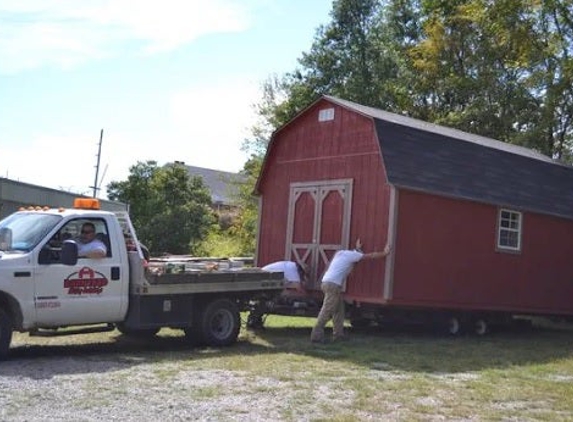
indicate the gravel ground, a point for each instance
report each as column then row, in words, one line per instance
column 72, row 389
column 100, row 383
column 106, row 377
column 100, row 389
column 123, row 388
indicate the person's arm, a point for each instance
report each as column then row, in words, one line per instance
column 96, row 250
column 373, row 255
column 96, row 254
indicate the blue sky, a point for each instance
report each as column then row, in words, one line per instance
column 169, row 80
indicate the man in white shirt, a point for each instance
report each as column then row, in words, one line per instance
column 340, row 266
column 293, row 271
column 88, row 245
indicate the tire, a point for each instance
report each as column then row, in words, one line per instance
column 5, row 334
column 219, row 323
column 454, row 325
column 481, row 327
column 140, row 333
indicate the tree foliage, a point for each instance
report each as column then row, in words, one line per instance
column 169, row 209
column 501, row 69
column 245, row 226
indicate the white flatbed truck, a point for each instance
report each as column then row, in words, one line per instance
column 46, row 287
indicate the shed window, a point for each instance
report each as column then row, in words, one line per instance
column 509, row 230
column 326, row 114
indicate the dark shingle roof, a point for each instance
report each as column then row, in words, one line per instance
column 221, row 184
column 436, row 159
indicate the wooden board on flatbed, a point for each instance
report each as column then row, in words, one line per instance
column 193, row 277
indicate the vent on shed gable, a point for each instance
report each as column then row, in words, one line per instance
column 326, row 114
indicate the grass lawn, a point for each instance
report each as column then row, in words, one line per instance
column 378, row 374
column 520, row 375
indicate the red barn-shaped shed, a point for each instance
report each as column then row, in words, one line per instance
column 479, row 229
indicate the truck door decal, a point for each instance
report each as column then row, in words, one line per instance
column 86, row 281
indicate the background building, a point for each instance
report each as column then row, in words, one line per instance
column 14, row 194
column 222, row 185
column 224, row 189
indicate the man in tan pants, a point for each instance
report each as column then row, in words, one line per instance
column 340, row 266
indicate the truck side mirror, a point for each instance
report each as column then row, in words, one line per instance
column 5, row 239
column 69, row 253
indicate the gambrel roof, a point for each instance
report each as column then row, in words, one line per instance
column 435, row 159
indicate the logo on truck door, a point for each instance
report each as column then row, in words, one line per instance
column 86, row 281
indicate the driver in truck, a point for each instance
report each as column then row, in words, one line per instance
column 88, row 245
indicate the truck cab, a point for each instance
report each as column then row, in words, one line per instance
column 43, row 284
column 46, row 283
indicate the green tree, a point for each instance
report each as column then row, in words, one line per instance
column 273, row 111
column 239, row 238
column 550, row 123
column 472, row 64
column 245, row 225
column 352, row 57
column 502, row 69
column 169, row 209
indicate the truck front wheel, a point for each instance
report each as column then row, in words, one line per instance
column 219, row 323
column 5, row 334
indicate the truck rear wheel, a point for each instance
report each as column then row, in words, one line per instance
column 5, row 334
column 219, row 323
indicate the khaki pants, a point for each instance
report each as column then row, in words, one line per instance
column 332, row 307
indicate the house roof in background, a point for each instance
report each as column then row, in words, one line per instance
column 221, row 184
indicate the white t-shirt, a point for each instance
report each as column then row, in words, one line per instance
column 94, row 245
column 340, row 266
column 287, row 267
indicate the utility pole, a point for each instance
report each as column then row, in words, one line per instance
column 95, row 186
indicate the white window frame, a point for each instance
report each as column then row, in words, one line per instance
column 326, row 114
column 509, row 227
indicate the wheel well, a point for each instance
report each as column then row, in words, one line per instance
column 239, row 298
column 12, row 308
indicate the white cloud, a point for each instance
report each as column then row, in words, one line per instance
column 204, row 132
column 215, row 115
column 65, row 33
column 61, row 162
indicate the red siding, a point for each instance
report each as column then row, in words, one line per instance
column 308, row 150
column 445, row 249
column 446, row 256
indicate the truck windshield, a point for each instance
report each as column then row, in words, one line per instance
column 26, row 230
